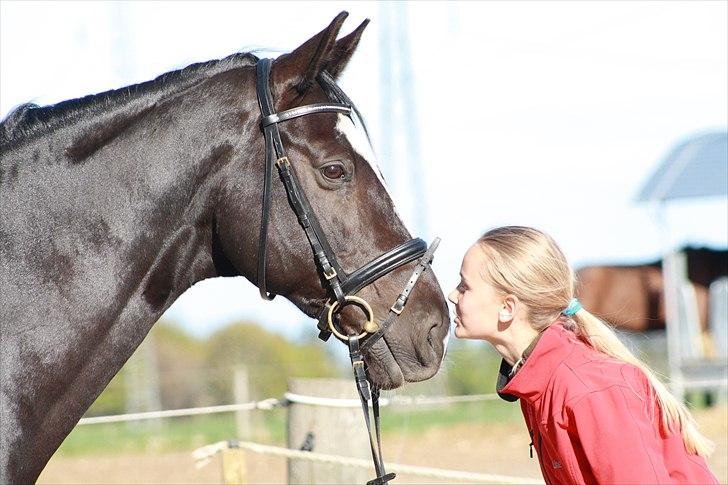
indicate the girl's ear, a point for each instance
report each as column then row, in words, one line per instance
column 508, row 311
column 293, row 74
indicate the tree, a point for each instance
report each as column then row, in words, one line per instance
column 270, row 358
column 472, row 367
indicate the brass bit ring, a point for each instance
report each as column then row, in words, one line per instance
column 369, row 326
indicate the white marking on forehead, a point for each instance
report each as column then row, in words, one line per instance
column 360, row 143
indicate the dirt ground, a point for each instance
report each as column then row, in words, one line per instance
column 499, row 449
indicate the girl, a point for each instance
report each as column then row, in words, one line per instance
column 595, row 413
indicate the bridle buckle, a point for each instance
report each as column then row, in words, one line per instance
column 398, row 306
column 331, row 273
column 283, row 161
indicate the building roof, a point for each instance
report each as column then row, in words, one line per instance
column 697, row 167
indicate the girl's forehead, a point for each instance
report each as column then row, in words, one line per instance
column 473, row 260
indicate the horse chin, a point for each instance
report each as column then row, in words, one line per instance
column 382, row 368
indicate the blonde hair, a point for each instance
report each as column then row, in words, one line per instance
column 528, row 263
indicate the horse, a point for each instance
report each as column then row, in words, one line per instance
column 632, row 297
column 114, row 204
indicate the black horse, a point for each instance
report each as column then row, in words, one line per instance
column 113, row 205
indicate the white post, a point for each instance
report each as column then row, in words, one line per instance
column 674, row 273
column 672, row 263
column 241, row 393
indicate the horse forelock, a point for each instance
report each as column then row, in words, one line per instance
column 30, row 120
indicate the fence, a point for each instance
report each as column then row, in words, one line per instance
column 324, row 413
column 237, row 475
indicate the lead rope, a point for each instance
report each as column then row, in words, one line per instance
column 365, row 394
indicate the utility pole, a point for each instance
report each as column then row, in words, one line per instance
column 400, row 147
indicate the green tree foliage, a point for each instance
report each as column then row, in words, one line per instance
column 197, row 372
column 472, row 367
column 179, row 364
column 180, row 360
column 270, row 359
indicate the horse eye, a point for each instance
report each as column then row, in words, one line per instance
column 334, row 171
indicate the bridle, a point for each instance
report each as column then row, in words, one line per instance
column 340, row 286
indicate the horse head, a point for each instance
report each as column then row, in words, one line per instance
column 331, row 157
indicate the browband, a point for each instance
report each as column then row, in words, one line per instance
column 289, row 114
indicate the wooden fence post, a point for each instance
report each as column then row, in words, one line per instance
column 234, row 466
column 325, row 429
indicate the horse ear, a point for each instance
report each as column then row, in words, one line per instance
column 343, row 49
column 293, row 74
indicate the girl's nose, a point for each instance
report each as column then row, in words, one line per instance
column 453, row 297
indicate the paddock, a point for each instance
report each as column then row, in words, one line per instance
column 479, row 448
column 270, row 461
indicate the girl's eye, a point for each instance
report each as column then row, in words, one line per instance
column 334, row 171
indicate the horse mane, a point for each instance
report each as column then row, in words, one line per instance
column 111, row 112
column 30, row 120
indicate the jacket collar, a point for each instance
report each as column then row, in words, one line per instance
column 538, row 363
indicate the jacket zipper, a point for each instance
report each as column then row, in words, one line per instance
column 540, row 454
column 530, row 445
column 539, row 451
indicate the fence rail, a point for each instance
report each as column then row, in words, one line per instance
column 272, row 403
column 205, row 454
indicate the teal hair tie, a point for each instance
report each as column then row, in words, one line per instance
column 574, row 306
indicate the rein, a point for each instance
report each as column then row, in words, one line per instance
column 340, row 286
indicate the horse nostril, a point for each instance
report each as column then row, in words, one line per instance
column 432, row 337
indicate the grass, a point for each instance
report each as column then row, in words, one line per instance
column 418, row 420
column 185, row 433
column 182, row 433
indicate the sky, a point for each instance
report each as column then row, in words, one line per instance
column 547, row 114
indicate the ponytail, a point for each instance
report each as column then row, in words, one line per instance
column 673, row 413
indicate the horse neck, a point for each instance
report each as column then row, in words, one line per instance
column 108, row 244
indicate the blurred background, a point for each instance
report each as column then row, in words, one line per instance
column 576, row 118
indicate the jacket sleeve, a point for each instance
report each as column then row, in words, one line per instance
column 618, row 438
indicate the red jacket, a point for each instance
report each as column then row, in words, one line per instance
column 593, row 419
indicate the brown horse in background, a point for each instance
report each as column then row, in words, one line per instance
column 632, row 298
